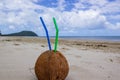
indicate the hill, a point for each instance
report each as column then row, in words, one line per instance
column 22, row 33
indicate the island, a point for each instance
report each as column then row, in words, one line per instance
column 22, row 33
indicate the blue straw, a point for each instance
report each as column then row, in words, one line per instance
column 46, row 33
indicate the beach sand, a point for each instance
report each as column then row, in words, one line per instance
column 88, row 59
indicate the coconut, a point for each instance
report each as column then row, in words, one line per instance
column 51, row 65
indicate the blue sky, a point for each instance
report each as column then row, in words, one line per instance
column 74, row 17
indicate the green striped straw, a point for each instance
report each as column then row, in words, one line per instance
column 56, row 38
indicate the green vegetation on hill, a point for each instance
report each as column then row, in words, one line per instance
column 22, row 33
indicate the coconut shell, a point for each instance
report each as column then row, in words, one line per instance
column 51, row 65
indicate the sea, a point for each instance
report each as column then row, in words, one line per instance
column 105, row 38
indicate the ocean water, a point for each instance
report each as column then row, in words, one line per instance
column 107, row 38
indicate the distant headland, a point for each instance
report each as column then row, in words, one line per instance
column 22, row 33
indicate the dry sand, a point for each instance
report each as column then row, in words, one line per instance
column 88, row 60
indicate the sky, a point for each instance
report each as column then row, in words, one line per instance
column 74, row 17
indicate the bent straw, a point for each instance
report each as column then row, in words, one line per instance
column 56, row 38
column 46, row 33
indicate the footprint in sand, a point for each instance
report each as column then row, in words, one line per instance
column 42, row 46
column 65, row 48
column 16, row 44
column 74, row 67
column 115, row 60
column 77, row 56
column 101, row 67
column 111, row 60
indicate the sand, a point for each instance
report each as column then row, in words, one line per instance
column 88, row 59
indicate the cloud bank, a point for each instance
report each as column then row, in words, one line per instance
column 71, row 16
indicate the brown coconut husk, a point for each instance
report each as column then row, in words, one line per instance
column 51, row 65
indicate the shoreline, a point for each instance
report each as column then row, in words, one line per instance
column 107, row 46
column 86, row 38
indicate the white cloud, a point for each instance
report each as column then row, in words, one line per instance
column 79, row 5
column 82, row 19
column 90, row 4
column 115, row 17
column 104, row 6
column 61, row 5
column 71, row 20
column 99, row 3
column 18, row 12
column 21, row 13
column 113, row 26
column 111, row 7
